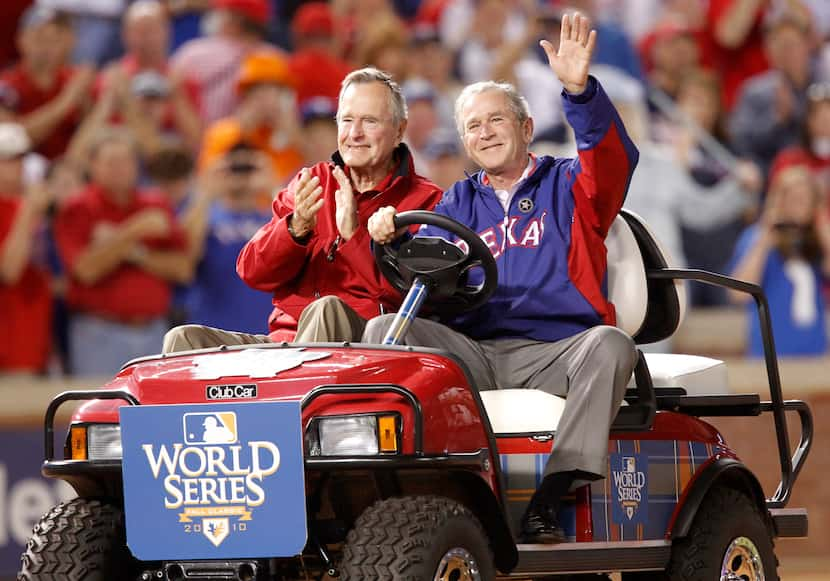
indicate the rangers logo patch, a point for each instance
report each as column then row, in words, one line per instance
column 526, row 205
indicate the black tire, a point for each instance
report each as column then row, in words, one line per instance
column 725, row 516
column 79, row 540
column 408, row 538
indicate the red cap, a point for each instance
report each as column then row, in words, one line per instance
column 313, row 19
column 258, row 11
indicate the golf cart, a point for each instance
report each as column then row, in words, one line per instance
column 352, row 461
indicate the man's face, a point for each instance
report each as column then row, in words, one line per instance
column 269, row 104
column 147, row 35
column 789, row 50
column 114, row 167
column 319, row 139
column 45, row 46
column 493, row 137
column 422, row 121
column 366, row 131
column 432, row 61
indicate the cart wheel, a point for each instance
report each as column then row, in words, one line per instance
column 418, row 538
column 729, row 541
column 80, row 540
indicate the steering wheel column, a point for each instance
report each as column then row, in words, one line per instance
column 411, row 306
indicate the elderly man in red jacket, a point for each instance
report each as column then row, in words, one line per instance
column 315, row 251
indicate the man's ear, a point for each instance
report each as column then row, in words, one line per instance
column 527, row 130
column 401, row 131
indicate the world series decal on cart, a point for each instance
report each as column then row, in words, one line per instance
column 221, row 474
column 629, row 487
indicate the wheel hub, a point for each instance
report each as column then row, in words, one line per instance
column 457, row 564
column 742, row 562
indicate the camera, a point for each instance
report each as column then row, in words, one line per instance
column 241, row 167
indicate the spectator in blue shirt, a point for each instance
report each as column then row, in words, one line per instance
column 788, row 252
column 221, row 218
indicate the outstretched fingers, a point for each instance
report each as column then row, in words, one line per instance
column 592, row 42
column 549, row 49
column 565, row 31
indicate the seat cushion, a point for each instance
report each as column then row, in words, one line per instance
column 697, row 375
column 522, row 411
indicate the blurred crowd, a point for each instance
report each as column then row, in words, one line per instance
column 141, row 143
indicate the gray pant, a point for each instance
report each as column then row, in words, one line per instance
column 591, row 368
column 327, row 319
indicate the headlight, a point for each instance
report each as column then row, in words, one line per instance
column 104, row 442
column 352, row 435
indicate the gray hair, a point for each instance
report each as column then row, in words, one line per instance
column 372, row 75
column 517, row 104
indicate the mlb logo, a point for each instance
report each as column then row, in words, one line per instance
column 629, row 464
column 210, row 428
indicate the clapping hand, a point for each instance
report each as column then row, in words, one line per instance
column 346, row 211
column 576, row 47
column 307, row 202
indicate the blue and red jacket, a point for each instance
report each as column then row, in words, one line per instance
column 550, row 245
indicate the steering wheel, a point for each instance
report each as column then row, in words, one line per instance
column 441, row 265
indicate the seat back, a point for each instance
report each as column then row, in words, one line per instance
column 627, row 284
column 666, row 299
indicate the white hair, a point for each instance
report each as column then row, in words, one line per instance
column 372, row 75
column 517, row 104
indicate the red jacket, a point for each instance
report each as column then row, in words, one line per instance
column 297, row 274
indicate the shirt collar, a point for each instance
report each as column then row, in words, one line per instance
column 529, row 169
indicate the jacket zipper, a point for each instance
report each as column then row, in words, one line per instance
column 333, row 249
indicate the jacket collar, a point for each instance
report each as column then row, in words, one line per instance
column 542, row 163
column 405, row 165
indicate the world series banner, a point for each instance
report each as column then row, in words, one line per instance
column 217, row 481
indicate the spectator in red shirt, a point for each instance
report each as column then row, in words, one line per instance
column 734, row 42
column 146, row 38
column 213, row 62
column 316, row 62
column 25, row 296
column 670, row 52
column 122, row 249
column 51, row 94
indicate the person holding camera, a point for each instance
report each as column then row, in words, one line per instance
column 787, row 253
column 314, row 255
column 221, row 217
column 266, row 117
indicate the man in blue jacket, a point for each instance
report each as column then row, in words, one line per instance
column 549, row 324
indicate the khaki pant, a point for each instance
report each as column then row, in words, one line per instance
column 327, row 319
column 590, row 369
